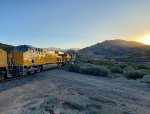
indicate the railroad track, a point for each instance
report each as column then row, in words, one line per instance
column 14, row 78
column 25, row 76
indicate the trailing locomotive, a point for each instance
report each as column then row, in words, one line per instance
column 26, row 59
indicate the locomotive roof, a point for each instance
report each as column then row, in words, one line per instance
column 23, row 48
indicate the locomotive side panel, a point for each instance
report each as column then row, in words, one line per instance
column 50, row 57
column 3, row 58
column 29, row 58
column 3, row 64
column 39, row 58
column 18, row 58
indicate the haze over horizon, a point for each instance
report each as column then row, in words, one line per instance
column 73, row 23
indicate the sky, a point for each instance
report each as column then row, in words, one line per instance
column 72, row 23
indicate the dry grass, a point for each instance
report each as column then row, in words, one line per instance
column 75, row 104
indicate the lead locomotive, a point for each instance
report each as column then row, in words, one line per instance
column 26, row 59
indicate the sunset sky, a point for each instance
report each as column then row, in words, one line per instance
column 73, row 23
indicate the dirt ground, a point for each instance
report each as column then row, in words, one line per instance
column 74, row 93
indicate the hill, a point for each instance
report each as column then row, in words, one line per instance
column 59, row 49
column 114, row 48
column 9, row 48
column 55, row 49
column 6, row 47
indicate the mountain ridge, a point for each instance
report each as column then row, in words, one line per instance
column 9, row 48
column 113, row 48
column 6, row 47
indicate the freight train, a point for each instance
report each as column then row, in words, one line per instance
column 26, row 60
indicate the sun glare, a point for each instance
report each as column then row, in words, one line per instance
column 145, row 40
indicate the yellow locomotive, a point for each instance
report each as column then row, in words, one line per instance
column 26, row 59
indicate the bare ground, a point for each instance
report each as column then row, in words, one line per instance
column 117, row 95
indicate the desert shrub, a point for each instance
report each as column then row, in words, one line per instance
column 75, row 104
column 96, row 70
column 116, row 69
column 144, row 66
column 146, row 71
column 74, row 67
column 133, row 65
column 128, row 69
column 121, row 65
column 90, row 69
column 85, row 69
column 135, row 74
column 107, row 63
column 49, row 103
column 95, row 104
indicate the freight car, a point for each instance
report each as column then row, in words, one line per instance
column 26, row 60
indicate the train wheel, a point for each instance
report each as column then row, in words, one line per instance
column 60, row 65
column 40, row 68
column 32, row 72
column 3, row 75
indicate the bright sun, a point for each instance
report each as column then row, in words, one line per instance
column 145, row 40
